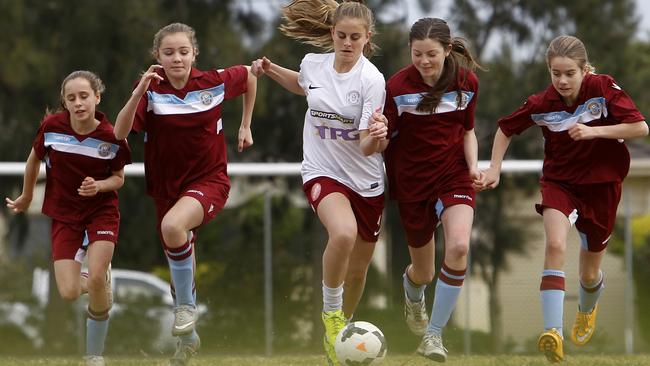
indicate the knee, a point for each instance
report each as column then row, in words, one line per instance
column 169, row 228
column 343, row 239
column 96, row 282
column 69, row 292
column 457, row 251
column 555, row 248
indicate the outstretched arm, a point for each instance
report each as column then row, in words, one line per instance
column 124, row 120
column 245, row 136
column 283, row 76
column 21, row 204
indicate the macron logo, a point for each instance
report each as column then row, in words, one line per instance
column 105, row 232
column 463, row 196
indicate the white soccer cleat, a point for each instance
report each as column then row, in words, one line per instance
column 431, row 347
column 185, row 317
column 94, row 361
column 184, row 352
column 416, row 315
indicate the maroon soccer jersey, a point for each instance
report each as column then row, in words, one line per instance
column 425, row 147
column 601, row 102
column 70, row 158
column 184, row 139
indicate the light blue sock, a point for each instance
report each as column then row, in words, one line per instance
column 589, row 294
column 96, row 331
column 552, row 298
column 332, row 298
column 413, row 291
column 443, row 305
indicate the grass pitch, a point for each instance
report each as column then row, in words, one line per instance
column 391, row 360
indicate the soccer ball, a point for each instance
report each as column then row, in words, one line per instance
column 360, row 343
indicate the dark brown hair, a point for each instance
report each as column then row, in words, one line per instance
column 459, row 57
column 310, row 21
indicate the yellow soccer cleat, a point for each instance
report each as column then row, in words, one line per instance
column 584, row 326
column 334, row 321
column 550, row 344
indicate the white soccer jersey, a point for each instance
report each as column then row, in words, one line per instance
column 340, row 105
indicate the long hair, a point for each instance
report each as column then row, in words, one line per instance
column 570, row 47
column 310, row 21
column 459, row 57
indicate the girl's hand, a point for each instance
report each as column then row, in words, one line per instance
column 260, row 66
column 582, row 132
column 378, row 126
column 146, row 78
column 488, row 179
column 244, row 138
column 89, row 187
column 20, row 204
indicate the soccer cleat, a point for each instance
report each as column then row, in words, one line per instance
column 550, row 344
column 185, row 317
column 334, row 321
column 94, row 361
column 584, row 326
column 416, row 315
column 184, row 352
column 431, row 347
column 109, row 287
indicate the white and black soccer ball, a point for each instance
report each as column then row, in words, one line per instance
column 360, row 343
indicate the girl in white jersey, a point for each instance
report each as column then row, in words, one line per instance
column 342, row 168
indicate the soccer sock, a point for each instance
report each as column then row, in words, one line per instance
column 448, row 287
column 96, row 330
column 332, row 298
column 413, row 292
column 552, row 297
column 589, row 293
column 181, row 267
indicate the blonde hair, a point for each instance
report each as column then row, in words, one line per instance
column 96, row 84
column 570, row 47
column 171, row 29
column 310, row 21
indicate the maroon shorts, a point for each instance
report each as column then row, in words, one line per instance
column 70, row 240
column 591, row 207
column 420, row 218
column 367, row 210
column 212, row 196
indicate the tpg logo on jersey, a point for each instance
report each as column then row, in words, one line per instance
column 333, row 133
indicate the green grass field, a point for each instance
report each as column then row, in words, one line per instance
column 401, row 360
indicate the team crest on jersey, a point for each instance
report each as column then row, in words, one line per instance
column 594, row 108
column 464, row 101
column 206, row 97
column 104, row 149
column 315, row 191
column 353, row 97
